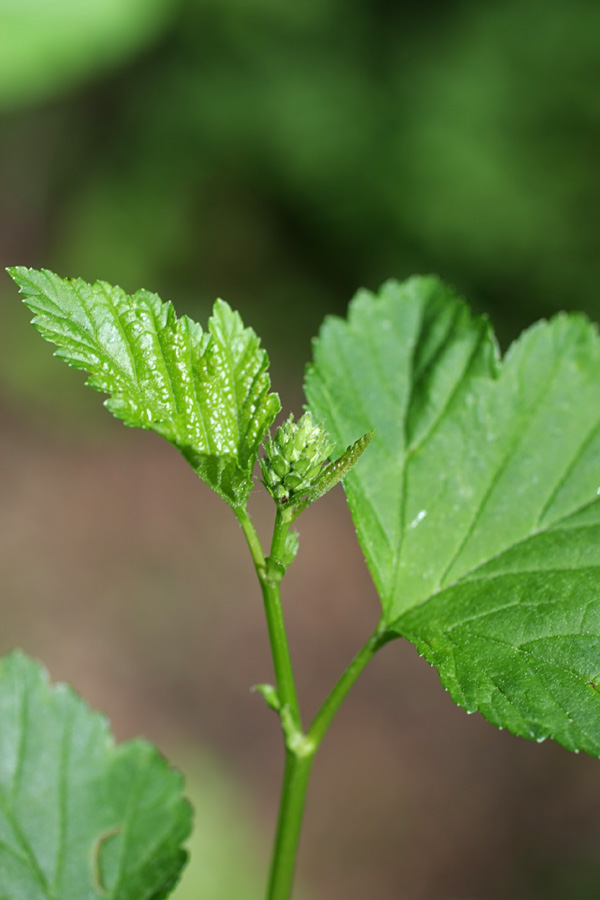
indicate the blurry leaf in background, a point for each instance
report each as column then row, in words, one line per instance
column 289, row 157
column 498, row 151
column 47, row 46
column 228, row 859
column 281, row 157
column 80, row 815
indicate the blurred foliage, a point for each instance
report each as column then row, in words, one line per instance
column 281, row 155
column 226, row 860
column 45, row 47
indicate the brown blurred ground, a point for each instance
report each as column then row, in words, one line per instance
column 130, row 579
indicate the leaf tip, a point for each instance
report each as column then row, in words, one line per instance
column 17, row 272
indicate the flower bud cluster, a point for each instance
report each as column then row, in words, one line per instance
column 294, row 458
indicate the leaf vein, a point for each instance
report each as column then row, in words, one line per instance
column 589, row 437
column 25, row 846
column 519, row 435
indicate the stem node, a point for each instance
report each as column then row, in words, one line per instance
column 296, row 741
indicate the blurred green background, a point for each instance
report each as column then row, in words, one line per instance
column 281, row 155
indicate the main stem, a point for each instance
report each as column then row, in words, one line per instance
column 269, row 578
column 289, row 824
column 300, row 748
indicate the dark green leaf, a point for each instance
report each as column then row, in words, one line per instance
column 477, row 504
column 205, row 392
column 79, row 816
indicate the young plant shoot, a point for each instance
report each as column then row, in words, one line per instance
column 473, row 483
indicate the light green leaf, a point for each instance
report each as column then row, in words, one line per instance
column 477, row 503
column 205, row 392
column 79, row 816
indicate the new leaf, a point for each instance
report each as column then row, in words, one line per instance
column 477, row 503
column 205, row 392
column 79, row 816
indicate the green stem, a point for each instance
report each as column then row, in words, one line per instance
column 269, row 579
column 324, row 717
column 291, row 810
column 280, row 531
column 300, row 747
column 251, row 536
column 299, row 756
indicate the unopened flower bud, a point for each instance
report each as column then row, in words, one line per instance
column 294, row 458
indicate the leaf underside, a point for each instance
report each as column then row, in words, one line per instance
column 79, row 816
column 477, row 502
column 205, row 392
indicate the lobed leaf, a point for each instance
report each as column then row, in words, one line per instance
column 80, row 816
column 205, row 392
column 477, row 504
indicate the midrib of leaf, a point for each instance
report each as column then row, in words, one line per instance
column 400, row 522
column 526, row 420
column 83, row 336
column 133, row 375
column 412, row 450
column 200, row 413
column 397, row 537
column 335, row 433
column 250, row 436
column 130, row 377
column 437, row 356
column 237, row 370
column 227, row 351
column 159, row 341
column 340, row 346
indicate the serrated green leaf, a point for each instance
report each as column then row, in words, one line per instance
column 79, row 816
column 205, row 392
column 477, row 504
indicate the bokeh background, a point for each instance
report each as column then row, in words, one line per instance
column 281, row 155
